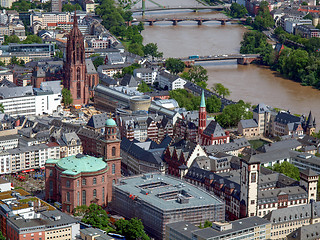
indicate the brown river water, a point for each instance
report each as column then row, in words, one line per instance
column 251, row 83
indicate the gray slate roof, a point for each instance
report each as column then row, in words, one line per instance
column 215, row 129
column 6, row 92
column 248, row 123
column 98, row 120
column 261, row 108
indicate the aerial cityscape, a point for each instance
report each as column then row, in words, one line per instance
column 159, row 119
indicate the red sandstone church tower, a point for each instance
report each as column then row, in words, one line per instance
column 75, row 66
column 202, row 115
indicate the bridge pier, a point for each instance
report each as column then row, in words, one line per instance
column 174, row 22
column 245, row 60
column 129, row 23
column 151, row 23
column 223, row 22
column 199, row 22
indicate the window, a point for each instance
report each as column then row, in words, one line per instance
column 94, row 193
column 68, row 197
column 103, row 194
column 84, row 197
column 102, row 180
column 68, row 183
column 78, row 183
column 51, row 173
column 84, row 182
column 78, row 198
column 113, row 151
column 94, row 181
column 253, row 177
column 68, row 208
column 252, row 201
column 113, row 168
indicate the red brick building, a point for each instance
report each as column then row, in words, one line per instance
column 82, row 180
column 78, row 78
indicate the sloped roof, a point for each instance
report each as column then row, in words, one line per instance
column 214, row 129
column 261, row 108
column 97, row 120
column 248, row 123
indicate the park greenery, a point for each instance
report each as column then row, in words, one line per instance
column 221, row 90
column 233, row 113
column 98, row 218
column 191, row 102
column 287, row 169
column 66, row 97
column 25, row 5
column 237, row 10
column 151, row 50
column 143, row 87
column 174, row 65
column 263, row 20
column 15, row 39
column 127, row 70
column 196, row 74
column 68, row 7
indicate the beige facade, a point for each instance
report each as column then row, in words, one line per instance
column 63, row 233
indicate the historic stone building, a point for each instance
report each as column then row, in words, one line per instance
column 82, row 180
column 80, row 78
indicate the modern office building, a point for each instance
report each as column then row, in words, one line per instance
column 158, row 200
column 250, row 228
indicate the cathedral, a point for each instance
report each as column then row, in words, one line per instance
column 80, row 75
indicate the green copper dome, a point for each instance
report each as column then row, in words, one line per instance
column 110, row 123
column 77, row 164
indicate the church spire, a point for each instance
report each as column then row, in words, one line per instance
column 75, row 20
column 203, row 101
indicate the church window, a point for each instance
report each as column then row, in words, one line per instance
column 78, row 74
column 253, row 177
column 113, row 168
column 113, row 151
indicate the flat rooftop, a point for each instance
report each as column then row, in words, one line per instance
column 166, row 193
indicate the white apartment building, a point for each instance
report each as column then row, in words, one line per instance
column 5, row 166
column 26, row 101
column 31, row 157
column 168, row 81
column 9, row 142
column 148, row 75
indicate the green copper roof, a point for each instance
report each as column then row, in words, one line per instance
column 203, row 101
column 74, row 165
column 111, row 123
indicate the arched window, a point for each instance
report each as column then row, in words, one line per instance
column 68, row 197
column 84, row 182
column 84, row 198
column 113, row 151
column 113, row 168
column 94, row 192
column 67, row 183
column 113, row 182
column 50, row 173
column 102, row 180
column 78, row 198
column 93, row 79
column 78, row 183
column 78, row 74
column 94, row 181
column 103, row 194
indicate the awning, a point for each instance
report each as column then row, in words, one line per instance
column 29, row 170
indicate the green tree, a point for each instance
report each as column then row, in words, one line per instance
column 136, row 48
column 97, row 217
column 22, row 6
column 68, row 7
column 11, row 39
column 32, row 39
column 233, row 113
column 207, row 224
column 132, row 229
column 80, row 211
column 263, row 19
column 140, row 27
column 237, row 10
column 1, row 236
column 58, row 54
column 66, row 97
column 221, row 90
column 98, row 61
column 143, row 87
column 151, row 49
column 1, row 108
column 175, row 65
column 213, row 104
column 198, row 75
column 308, row 16
column 287, row 169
